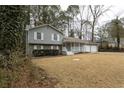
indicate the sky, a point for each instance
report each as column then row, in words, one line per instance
column 113, row 13
column 115, row 10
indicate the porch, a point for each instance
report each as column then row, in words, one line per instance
column 73, row 47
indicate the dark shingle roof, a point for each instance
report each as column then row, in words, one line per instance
column 76, row 40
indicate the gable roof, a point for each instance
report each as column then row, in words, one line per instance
column 47, row 25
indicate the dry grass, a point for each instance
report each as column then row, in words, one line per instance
column 91, row 70
column 17, row 71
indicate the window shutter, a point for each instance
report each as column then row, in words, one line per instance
column 42, row 36
column 35, row 35
column 52, row 37
column 58, row 37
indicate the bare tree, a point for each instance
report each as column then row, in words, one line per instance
column 96, row 12
column 103, row 33
column 72, row 11
column 83, row 20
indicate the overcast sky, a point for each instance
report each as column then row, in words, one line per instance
column 111, row 14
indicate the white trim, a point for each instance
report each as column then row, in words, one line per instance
column 42, row 36
column 35, row 46
column 58, row 37
column 41, row 47
column 52, row 37
column 35, row 35
column 51, row 47
column 57, row 47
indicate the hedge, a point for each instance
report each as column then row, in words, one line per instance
column 45, row 52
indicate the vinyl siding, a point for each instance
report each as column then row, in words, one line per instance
column 47, row 33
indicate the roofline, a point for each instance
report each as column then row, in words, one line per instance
column 80, row 41
column 43, row 44
column 46, row 25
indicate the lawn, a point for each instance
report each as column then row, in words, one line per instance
column 85, row 70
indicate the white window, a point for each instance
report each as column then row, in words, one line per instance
column 57, row 47
column 41, row 46
column 38, row 36
column 35, row 46
column 51, row 47
column 55, row 37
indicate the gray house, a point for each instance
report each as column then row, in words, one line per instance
column 44, row 37
column 48, row 37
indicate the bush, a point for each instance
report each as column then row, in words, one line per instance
column 112, row 49
column 18, row 71
column 45, row 52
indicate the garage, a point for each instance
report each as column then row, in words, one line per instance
column 94, row 48
column 86, row 48
column 76, row 45
column 90, row 48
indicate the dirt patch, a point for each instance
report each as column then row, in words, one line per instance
column 92, row 70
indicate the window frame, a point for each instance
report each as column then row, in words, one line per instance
column 35, row 47
column 42, row 47
column 39, row 34
column 55, row 37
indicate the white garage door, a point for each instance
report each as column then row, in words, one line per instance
column 93, row 48
column 82, row 48
column 87, row 48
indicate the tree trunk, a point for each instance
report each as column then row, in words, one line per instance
column 118, row 37
column 73, row 22
column 68, row 25
column 86, row 33
column 93, row 31
column 118, row 41
column 80, row 34
column 100, row 41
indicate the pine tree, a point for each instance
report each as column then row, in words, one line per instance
column 13, row 20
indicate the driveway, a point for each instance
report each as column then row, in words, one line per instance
column 85, row 70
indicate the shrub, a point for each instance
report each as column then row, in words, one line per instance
column 45, row 52
column 18, row 71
